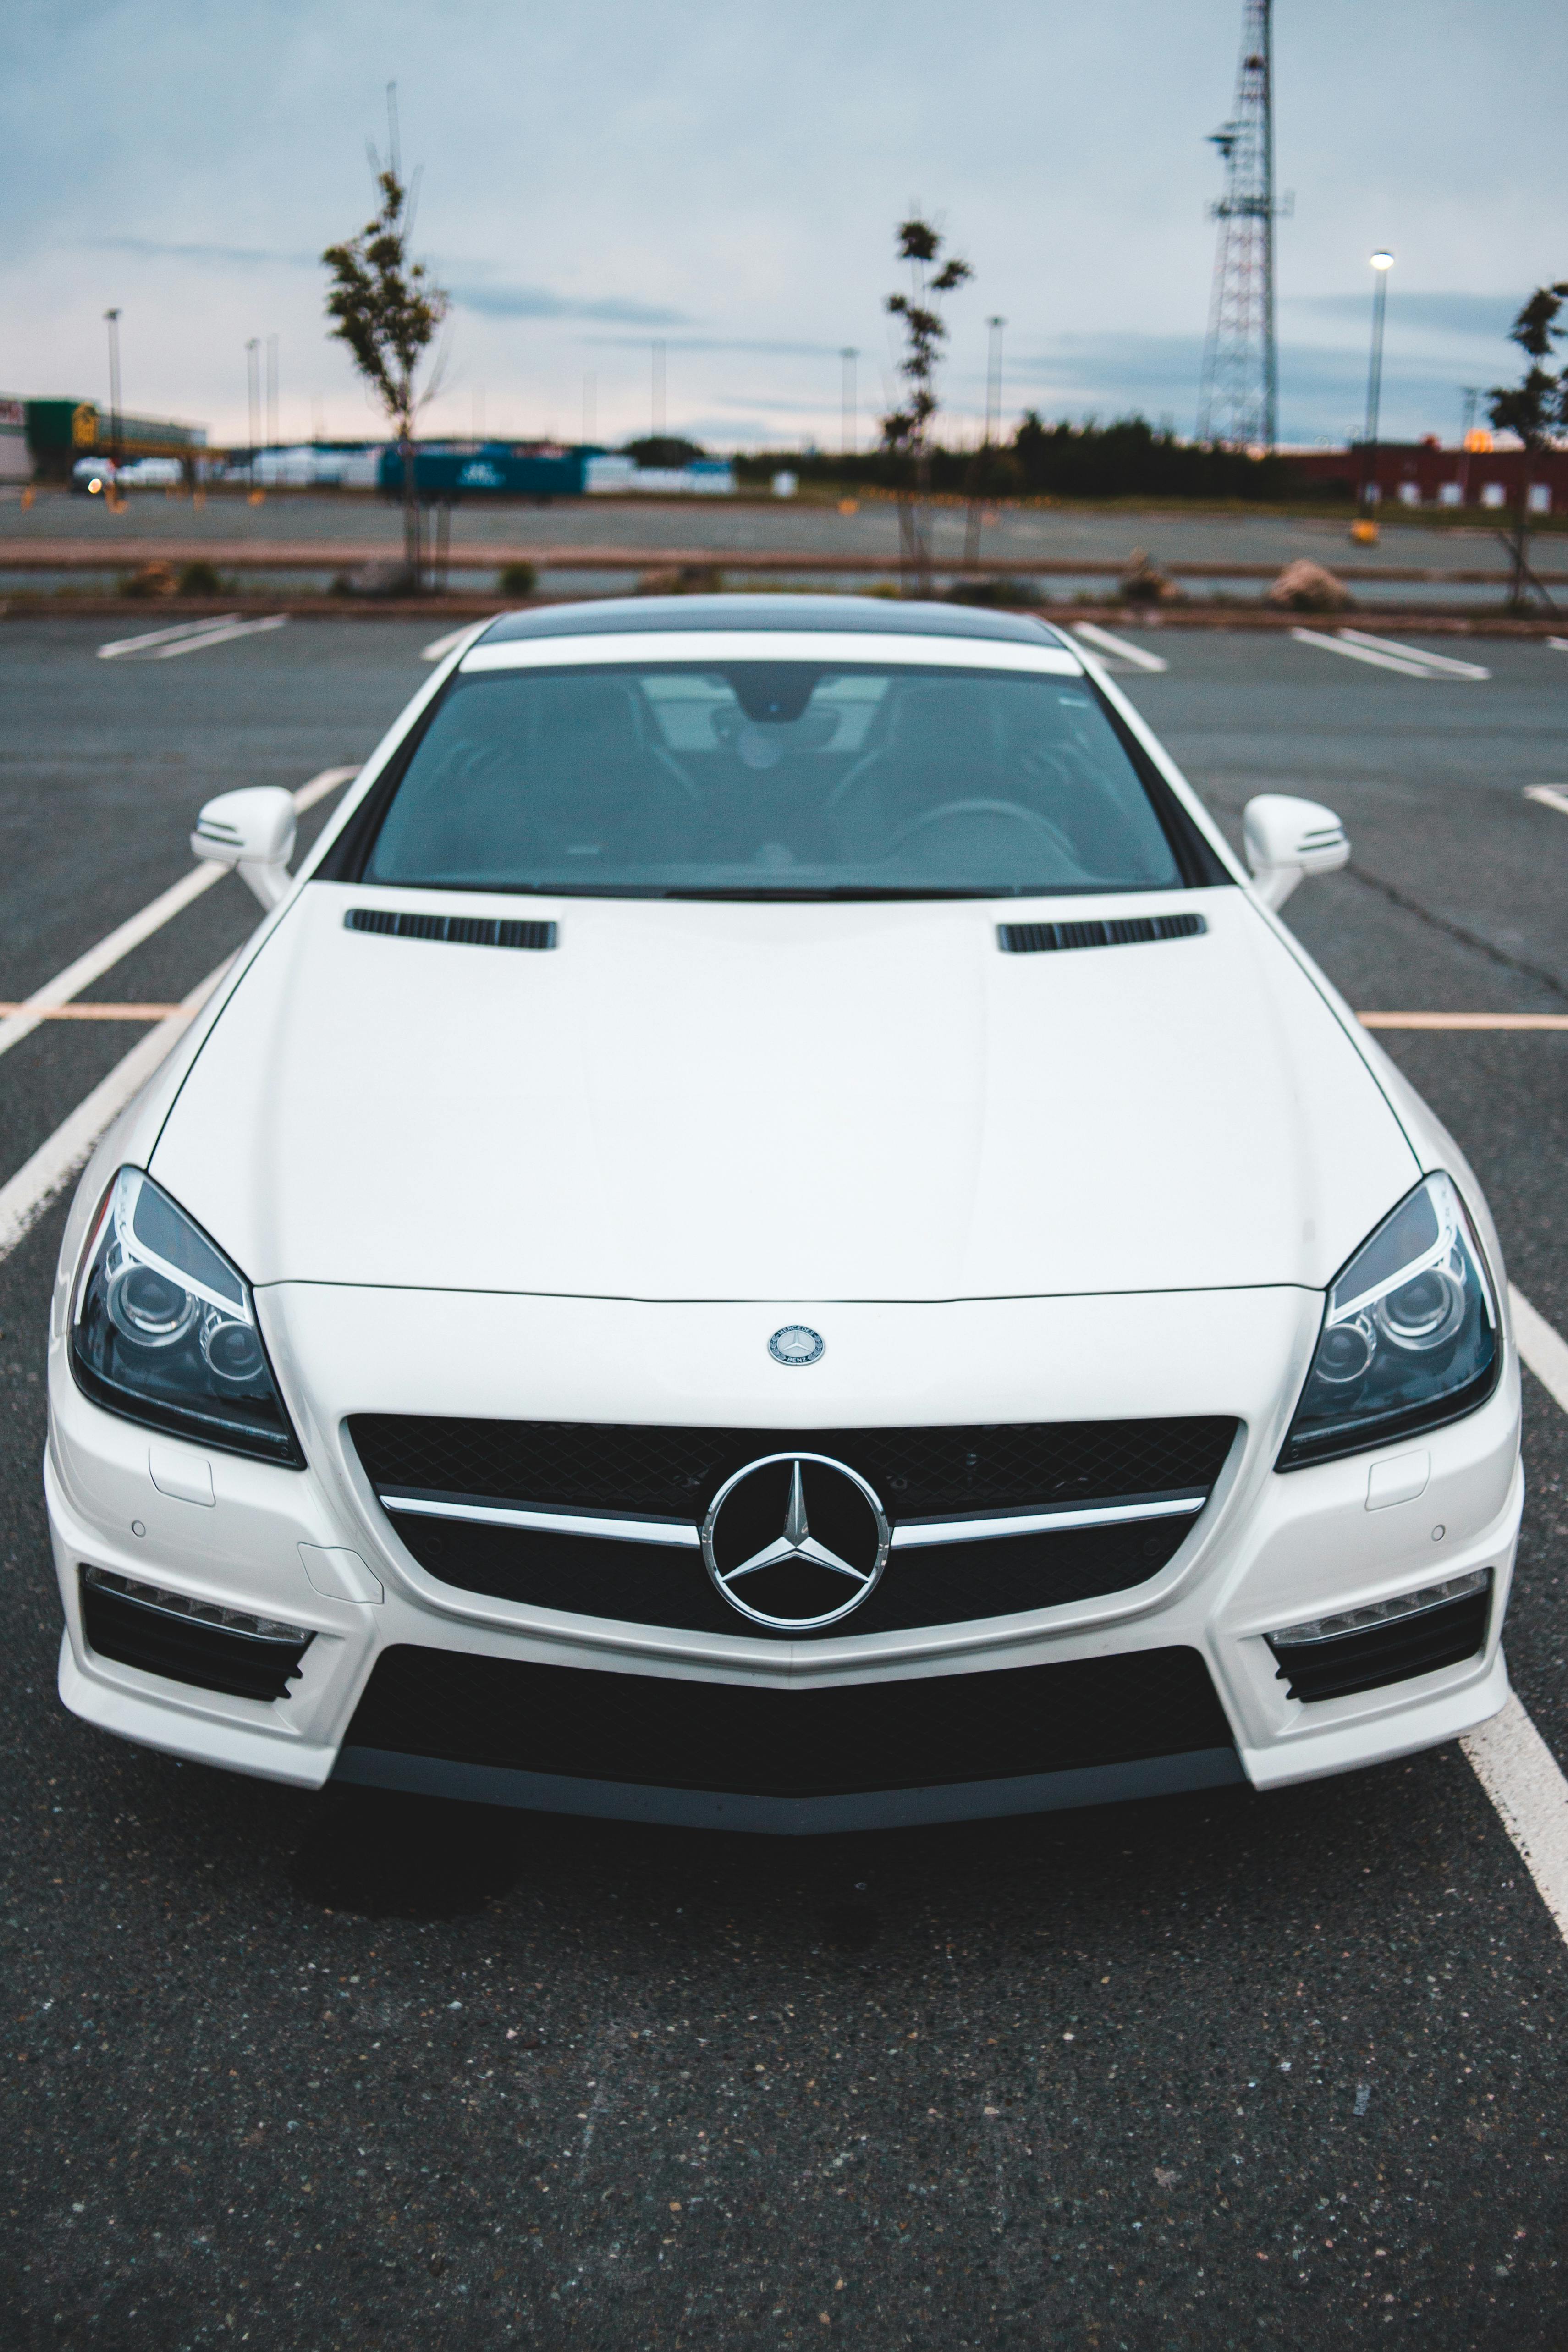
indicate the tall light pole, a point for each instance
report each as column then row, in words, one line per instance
column 849, row 421
column 111, row 318
column 253, row 386
column 994, row 381
column 1381, row 263
column 1472, row 393
column 657, row 404
column 272, row 392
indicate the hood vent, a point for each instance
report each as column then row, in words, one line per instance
column 1115, row 931
column 458, row 931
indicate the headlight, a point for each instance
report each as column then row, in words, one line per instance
column 1409, row 1336
column 164, row 1329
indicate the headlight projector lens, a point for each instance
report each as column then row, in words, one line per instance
column 1409, row 1338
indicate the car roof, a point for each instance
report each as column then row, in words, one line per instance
column 862, row 615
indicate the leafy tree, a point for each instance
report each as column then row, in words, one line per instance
column 1533, row 408
column 659, row 449
column 388, row 311
column 906, row 431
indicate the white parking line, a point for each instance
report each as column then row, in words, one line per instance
column 1103, row 642
column 1509, row 1756
column 130, row 934
column 1549, row 795
column 1444, row 664
column 123, row 648
column 1359, row 653
column 1560, row 644
column 439, row 647
column 220, row 636
column 23, row 1200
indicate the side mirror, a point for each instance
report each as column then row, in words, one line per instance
column 253, row 831
column 1287, row 838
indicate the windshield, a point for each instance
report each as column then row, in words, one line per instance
column 783, row 779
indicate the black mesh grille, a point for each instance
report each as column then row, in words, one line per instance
column 936, row 1472
column 458, row 931
column 667, row 1732
column 187, row 1650
column 1114, row 931
column 935, row 1585
column 1394, row 1653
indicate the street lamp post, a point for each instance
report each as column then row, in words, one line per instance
column 849, row 421
column 1381, row 263
column 993, row 382
column 111, row 318
column 253, row 386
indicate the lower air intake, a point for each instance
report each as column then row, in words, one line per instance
column 1393, row 1652
column 666, row 1731
column 189, row 1642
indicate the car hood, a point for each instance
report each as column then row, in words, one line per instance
column 688, row 1100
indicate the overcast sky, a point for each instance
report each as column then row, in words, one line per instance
column 725, row 178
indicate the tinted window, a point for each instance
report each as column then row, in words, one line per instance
column 778, row 778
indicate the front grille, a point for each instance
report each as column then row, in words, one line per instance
column 184, row 1648
column 665, row 1732
column 1112, row 932
column 673, row 1474
column 1395, row 1652
column 655, row 1585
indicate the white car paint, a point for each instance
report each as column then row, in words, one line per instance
column 586, row 1185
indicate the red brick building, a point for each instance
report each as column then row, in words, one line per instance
column 1423, row 473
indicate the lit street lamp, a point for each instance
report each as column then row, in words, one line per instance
column 253, row 386
column 1381, row 263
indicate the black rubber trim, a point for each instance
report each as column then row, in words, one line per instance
column 456, row 931
column 882, row 1809
column 1114, row 931
column 182, row 1649
column 281, row 1446
column 1395, row 1653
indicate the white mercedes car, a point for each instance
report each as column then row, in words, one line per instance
column 773, row 1232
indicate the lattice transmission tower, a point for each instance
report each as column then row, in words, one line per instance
column 1239, row 398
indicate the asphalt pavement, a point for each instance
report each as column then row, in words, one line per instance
column 1217, row 2072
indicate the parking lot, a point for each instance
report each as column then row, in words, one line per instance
column 1220, row 2071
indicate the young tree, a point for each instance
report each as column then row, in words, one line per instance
column 908, row 430
column 1534, row 408
column 388, row 310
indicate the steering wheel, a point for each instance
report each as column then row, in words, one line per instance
column 947, row 810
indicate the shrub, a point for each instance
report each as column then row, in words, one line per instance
column 516, row 579
column 200, row 579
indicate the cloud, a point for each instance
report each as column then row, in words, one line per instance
column 1474, row 317
column 229, row 257
column 538, row 302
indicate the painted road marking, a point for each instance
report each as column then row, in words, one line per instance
column 1444, row 664
column 14, row 1026
column 1463, row 1020
column 1560, row 644
column 1549, row 795
column 1103, row 642
column 98, row 1012
column 1359, row 653
column 127, row 649
column 219, row 636
column 23, row 1200
column 1508, row 1755
column 439, row 647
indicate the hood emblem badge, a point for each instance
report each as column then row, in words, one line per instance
column 797, row 1343
column 800, row 1576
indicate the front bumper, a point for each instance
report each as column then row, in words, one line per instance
column 1267, row 1550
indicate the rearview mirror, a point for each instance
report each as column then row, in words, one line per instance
column 1287, row 838
column 253, row 831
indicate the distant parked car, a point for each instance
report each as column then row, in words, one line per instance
column 150, row 473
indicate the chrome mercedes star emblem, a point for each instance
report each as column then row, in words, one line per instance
column 797, row 1343
column 799, row 1575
